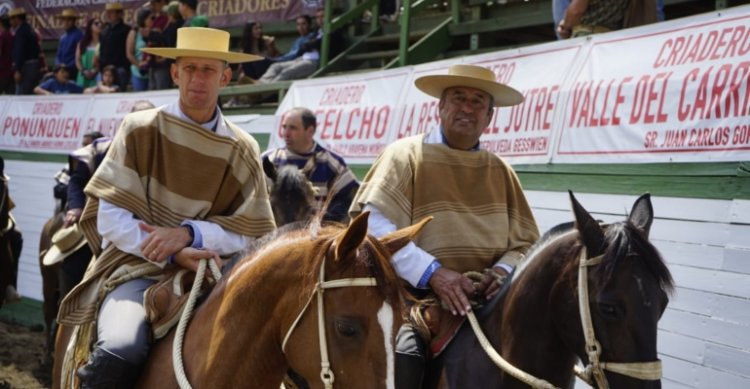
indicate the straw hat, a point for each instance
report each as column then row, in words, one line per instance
column 65, row 241
column 68, row 14
column 202, row 43
column 16, row 12
column 113, row 7
column 470, row 76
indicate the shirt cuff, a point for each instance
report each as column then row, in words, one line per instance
column 425, row 279
column 508, row 268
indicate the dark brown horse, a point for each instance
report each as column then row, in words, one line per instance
column 6, row 254
column 291, row 194
column 50, row 282
column 262, row 318
column 536, row 323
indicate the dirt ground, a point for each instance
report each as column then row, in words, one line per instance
column 22, row 358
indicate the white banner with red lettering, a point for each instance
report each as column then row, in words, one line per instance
column 671, row 91
column 56, row 124
column 356, row 114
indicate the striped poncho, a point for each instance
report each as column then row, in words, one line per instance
column 165, row 170
column 479, row 209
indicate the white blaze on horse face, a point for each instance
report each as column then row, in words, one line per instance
column 385, row 319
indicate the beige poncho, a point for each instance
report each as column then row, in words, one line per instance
column 481, row 214
column 165, row 170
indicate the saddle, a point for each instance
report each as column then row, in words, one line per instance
column 441, row 325
column 165, row 300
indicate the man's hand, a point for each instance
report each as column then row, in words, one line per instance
column 17, row 77
column 189, row 257
column 563, row 31
column 162, row 242
column 453, row 288
column 489, row 285
column 72, row 216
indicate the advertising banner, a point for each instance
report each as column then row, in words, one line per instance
column 356, row 115
column 662, row 95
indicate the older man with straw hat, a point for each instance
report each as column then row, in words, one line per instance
column 179, row 183
column 481, row 217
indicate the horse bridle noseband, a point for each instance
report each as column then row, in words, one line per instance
column 326, row 374
column 594, row 370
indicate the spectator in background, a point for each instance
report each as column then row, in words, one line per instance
column 136, row 41
column 254, row 42
column 26, row 72
column 158, row 68
column 112, row 44
column 108, row 83
column 189, row 12
column 87, row 54
column 291, row 65
column 586, row 17
column 7, row 85
column 558, row 11
column 59, row 84
column 66, row 48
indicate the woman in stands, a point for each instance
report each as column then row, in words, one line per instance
column 87, row 54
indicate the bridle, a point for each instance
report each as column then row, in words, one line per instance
column 594, row 370
column 326, row 374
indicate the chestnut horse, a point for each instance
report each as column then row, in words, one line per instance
column 262, row 319
column 535, row 324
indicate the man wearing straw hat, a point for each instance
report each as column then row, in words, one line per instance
column 112, row 44
column 66, row 49
column 481, row 217
column 179, row 183
column 25, row 53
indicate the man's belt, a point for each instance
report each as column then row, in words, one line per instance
column 586, row 29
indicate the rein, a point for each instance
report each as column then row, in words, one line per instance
column 179, row 366
column 594, row 371
column 326, row 374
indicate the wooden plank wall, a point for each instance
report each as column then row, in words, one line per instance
column 704, row 336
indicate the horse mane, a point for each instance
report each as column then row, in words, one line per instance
column 624, row 240
column 373, row 255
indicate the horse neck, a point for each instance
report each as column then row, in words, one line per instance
column 244, row 321
column 528, row 327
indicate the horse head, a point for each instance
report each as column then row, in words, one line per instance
column 323, row 304
column 292, row 195
column 362, row 317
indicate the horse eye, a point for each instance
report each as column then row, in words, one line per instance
column 348, row 330
column 608, row 310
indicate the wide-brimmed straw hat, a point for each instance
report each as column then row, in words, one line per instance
column 65, row 241
column 202, row 42
column 470, row 76
column 113, row 7
column 68, row 14
column 16, row 12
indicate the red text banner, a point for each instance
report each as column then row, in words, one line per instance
column 56, row 124
column 675, row 94
column 355, row 115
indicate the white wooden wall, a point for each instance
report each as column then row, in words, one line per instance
column 704, row 336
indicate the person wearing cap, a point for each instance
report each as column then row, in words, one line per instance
column 66, row 49
column 59, row 84
column 25, row 53
column 481, row 217
column 112, row 41
column 189, row 11
column 179, row 183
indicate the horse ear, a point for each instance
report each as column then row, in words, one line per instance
column 269, row 169
column 591, row 233
column 352, row 237
column 642, row 214
column 396, row 240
